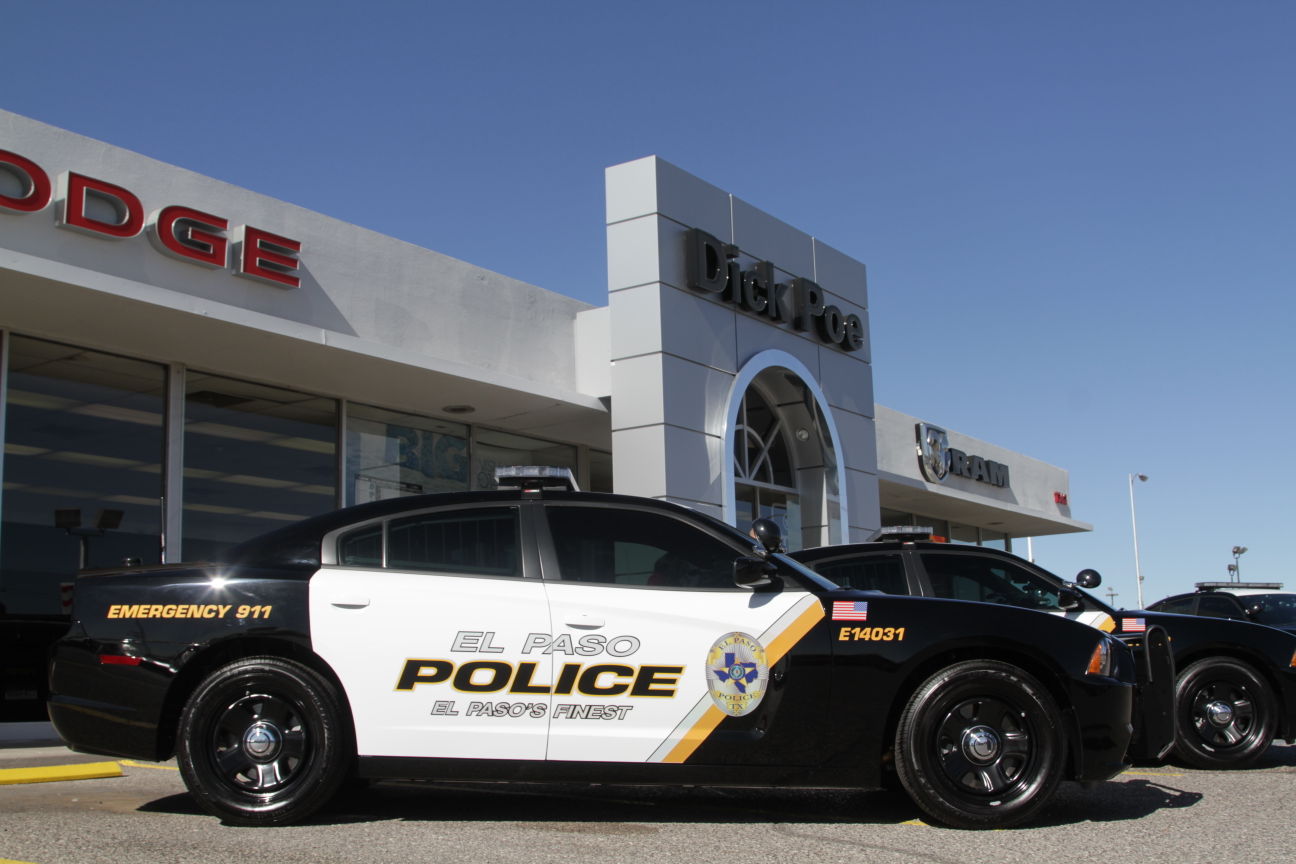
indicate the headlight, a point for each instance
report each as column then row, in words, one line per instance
column 1100, row 661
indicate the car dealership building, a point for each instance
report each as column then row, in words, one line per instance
column 185, row 364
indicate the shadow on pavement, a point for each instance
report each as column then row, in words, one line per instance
column 617, row 809
column 1128, row 799
column 1277, row 756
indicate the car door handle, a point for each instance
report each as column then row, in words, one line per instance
column 350, row 601
column 584, row 621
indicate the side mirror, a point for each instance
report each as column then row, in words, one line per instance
column 1068, row 600
column 766, row 532
column 1088, row 579
column 753, row 573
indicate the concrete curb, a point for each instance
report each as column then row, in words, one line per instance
column 54, row 773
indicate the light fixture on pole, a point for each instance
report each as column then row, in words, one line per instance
column 1138, row 570
column 1236, row 569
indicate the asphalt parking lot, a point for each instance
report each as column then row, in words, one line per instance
column 1160, row 813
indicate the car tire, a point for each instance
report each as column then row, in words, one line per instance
column 1225, row 714
column 261, row 742
column 980, row 745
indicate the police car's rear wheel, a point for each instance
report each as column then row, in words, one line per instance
column 261, row 742
column 979, row 746
column 1224, row 714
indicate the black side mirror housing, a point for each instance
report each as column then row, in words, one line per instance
column 767, row 533
column 1088, row 579
column 1068, row 600
column 754, row 573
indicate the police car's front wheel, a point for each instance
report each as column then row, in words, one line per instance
column 979, row 745
column 261, row 742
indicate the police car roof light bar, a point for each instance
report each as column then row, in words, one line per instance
column 1211, row 586
column 908, row 533
column 534, row 478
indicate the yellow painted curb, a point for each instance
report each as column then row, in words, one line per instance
column 51, row 773
column 131, row 763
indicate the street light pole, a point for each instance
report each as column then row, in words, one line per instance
column 1235, row 569
column 1138, row 570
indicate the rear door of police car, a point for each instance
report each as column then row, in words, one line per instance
column 426, row 617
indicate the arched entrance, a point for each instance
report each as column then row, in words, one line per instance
column 781, row 451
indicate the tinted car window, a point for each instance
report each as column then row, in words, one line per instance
column 362, row 547
column 1216, row 606
column 989, row 580
column 481, row 541
column 636, row 547
column 1178, row 605
column 879, row 573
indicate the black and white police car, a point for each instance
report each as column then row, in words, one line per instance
column 547, row 634
column 1260, row 602
column 1234, row 683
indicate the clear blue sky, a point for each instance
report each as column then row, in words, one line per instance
column 1078, row 217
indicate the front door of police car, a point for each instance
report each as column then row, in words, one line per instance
column 653, row 643
column 426, row 620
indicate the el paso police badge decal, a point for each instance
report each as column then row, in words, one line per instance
column 737, row 673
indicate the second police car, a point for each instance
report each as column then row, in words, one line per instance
column 536, row 634
column 1230, row 691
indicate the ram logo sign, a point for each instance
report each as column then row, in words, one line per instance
column 939, row 460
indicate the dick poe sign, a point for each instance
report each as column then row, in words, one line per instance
column 184, row 233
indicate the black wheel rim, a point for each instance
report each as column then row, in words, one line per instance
column 1224, row 715
column 984, row 746
column 260, row 743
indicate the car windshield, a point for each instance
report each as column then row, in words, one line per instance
column 1276, row 610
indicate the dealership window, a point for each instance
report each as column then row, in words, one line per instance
column 951, row 532
column 84, row 437
column 255, row 458
column 764, row 474
column 784, row 461
column 491, row 449
column 995, row 540
column 389, row 455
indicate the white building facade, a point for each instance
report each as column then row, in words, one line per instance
column 185, row 364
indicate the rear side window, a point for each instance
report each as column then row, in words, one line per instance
column 1178, row 605
column 875, row 573
column 637, row 547
column 362, row 547
column 481, row 541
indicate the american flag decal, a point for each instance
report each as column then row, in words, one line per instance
column 1134, row 625
column 850, row 610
